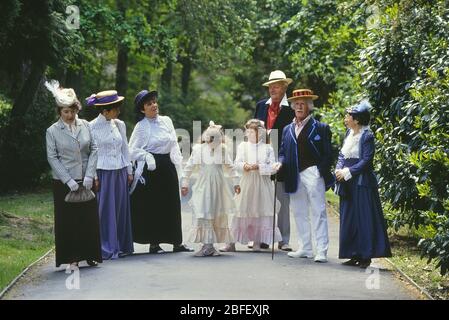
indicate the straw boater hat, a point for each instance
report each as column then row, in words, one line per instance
column 302, row 93
column 64, row 97
column 277, row 76
column 104, row 98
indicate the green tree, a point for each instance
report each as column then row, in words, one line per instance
column 407, row 81
column 35, row 37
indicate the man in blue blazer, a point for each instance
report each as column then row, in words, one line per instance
column 276, row 113
column 306, row 159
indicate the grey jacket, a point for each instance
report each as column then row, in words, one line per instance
column 71, row 157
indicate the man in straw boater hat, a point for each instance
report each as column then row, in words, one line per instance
column 306, row 158
column 276, row 113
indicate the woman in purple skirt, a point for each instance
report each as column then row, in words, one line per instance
column 114, row 175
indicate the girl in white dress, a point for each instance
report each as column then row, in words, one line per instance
column 253, row 220
column 212, row 198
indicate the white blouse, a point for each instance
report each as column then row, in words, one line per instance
column 203, row 154
column 157, row 136
column 351, row 149
column 256, row 153
column 351, row 145
column 110, row 137
column 70, row 128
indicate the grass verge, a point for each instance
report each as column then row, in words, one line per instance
column 26, row 231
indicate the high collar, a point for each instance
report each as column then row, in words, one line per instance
column 284, row 101
column 362, row 130
column 259, row 143
column 63, row 124
column 102, row 119
column 156, row 119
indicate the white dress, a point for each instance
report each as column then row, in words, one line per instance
column 253, row 220
column 212, row 196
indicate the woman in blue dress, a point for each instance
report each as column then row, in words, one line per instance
column 363, row 231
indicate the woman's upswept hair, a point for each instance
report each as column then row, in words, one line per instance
column 363, row 118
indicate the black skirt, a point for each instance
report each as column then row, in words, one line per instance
column 77, row 230
column 156, row 206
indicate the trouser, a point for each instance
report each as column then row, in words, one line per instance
column 284, row 212
column 309, row 199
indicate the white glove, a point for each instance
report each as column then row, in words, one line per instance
column 72, row 185
column 277, row 166
column 151, row 164
column 87, row 183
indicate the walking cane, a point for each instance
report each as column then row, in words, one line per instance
column 274, row 215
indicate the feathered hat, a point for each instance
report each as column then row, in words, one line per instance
column 64, row 97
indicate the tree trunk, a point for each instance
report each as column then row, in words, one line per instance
column 121, row 75
column 26, row 96
column 185, row 75
column 166, row 78
column 121, row 80
column 73, row 79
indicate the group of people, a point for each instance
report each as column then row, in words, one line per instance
column 138, row 184
column 97, row 156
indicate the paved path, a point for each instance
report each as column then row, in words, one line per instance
column 242, row 275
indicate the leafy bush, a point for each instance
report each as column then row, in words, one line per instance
column 407, row 78
column 23, row 159
column 438, row 246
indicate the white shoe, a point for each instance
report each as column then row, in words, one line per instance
column 230, row 247
column 321, row 257
column 256, row 246
column 301, row 254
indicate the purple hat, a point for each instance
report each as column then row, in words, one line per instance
column 140, row 97
column 104, row 98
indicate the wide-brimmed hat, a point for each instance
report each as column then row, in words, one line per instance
column 277, row 76
column 362, row 106
column 64, row 97
column 302, row 93
column 104, row 98
column 142, row 95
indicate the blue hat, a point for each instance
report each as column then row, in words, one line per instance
column 362, row 106
column 140, row 97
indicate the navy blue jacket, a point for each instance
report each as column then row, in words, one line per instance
column 319, row 139
column 363, row 169
column 284, row 118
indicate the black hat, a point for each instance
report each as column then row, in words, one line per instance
column 141, row 96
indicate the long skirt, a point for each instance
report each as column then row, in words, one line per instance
column 115, row 215
column 212, row 201
column 156, row 205
column 254, row 218
column 363, row 231
column 77, row 232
